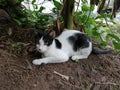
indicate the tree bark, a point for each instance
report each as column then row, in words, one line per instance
column 67, row 13
column 101, row 6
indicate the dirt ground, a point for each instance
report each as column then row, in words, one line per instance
column 98, row 72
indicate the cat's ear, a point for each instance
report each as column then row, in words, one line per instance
column 52, row 34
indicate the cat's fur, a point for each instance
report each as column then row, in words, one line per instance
column 69, row 44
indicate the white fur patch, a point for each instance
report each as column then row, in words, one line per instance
column 41, row 47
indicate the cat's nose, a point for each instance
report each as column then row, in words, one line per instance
column 40, row 49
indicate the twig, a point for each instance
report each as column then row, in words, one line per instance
column 63, row 76
column 107, row 83
column 29, row 65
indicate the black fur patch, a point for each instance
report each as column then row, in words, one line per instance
column 48, row 40
column 46, row 37
column 58, row 44
column 79, row 41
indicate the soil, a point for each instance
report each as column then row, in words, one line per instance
column 98, row 72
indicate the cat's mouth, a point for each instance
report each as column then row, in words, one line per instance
column 42, row 50
column 39, row 50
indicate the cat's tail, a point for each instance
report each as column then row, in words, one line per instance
column 98, row 51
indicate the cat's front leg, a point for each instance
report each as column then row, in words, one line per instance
column 50, row 60
column 37, row 62
column 42, row 60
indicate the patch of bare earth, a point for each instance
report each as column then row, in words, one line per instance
column 98, row 72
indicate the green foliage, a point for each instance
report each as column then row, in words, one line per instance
column 16, row 45
column 38, row 19
column 7, row 3
column 96, row 30
column 57, row 4
column 116, row 41
column 57, row 7
column 86, row 17
column 35, row 18
column 3, row 3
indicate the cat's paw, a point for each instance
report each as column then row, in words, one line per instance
column 75, row 58
column 37, row 62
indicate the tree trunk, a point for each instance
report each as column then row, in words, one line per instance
column 67, row 13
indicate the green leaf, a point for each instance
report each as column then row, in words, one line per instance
column 54, row 10
column 84, row 1
column 85, row 8
column 116, row 45
column 23, row 19
column 14, row 46
column 57, row 4
column 103, row 43
column 114, row 36
column 95, row 32
column 41, row 9
column 18, row 21
column 35, row 6
column 92, row 7
column 20, row 1
column 33, row 1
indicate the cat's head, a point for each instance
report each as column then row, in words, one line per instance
column 44, row 40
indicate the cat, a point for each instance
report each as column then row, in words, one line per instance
column 69, row 44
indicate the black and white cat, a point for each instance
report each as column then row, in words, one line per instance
column 69, row 44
